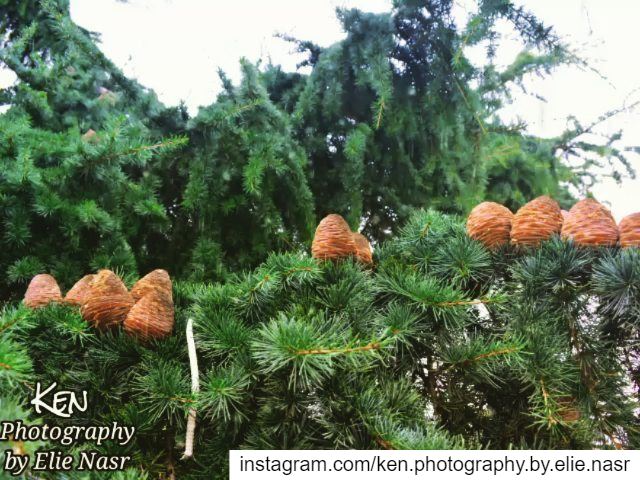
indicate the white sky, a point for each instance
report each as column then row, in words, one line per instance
column 176, row 47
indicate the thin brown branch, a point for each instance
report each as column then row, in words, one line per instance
column 155, row 146
column 329, row 351
column 551, row 420
column 379, row 120
column 475, row 114
column 171, row 464
column 181, row 399
column 545, row 394
column 385, row 444
column 502, row 351
column 8, row 325
column 483, row 356
column 293, row 270
column 454, row 303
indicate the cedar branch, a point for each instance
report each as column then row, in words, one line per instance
column 329, row 351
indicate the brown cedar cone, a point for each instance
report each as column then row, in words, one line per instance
column 630, row 230
column 490, row 224
column 79, row 291
column 363, row 248
column 158, row 279
column 90, row 136
column 151, row 317
column 42, row 289
column 333, row 239
column 536, row 221
column 590, row 223
column 107, row 302
column 568, row 409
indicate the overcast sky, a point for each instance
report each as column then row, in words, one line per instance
column 176, row 47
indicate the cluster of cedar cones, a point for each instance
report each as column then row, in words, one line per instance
column 588, row 223
column 334, row 239
column 146, row 312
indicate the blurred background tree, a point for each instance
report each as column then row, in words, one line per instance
column 395, row 116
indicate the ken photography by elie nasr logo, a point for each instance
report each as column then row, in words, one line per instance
column 61, row 404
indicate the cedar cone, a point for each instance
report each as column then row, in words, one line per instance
column 107, row 302
column 333, row 239
column 490, row 224
column 564, row 213
column 158, row 279
column 79, row 291
column 42, row 289
column 630, row 230
column 568, row 410
column 90, row 136
column 151, row 317
column 536, row 221
column 363, row 248
column 590, row 223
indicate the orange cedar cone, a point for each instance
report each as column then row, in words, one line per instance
column 158, row 279
column 536, row 221
column 363, row 248
column 630, row 230
column 590, row 223
column 333, row 239
column 107, row 302
column 79, row 291
column 490, row 224
column 151, row 317
column 42, row 289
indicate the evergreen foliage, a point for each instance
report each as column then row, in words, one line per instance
column 244, row 169
column 395, row 116
column 424, row 351
column 390, row 118
column 71, row 204
column 65, row 81
column 440, row 344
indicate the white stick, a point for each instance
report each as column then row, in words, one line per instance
column 195, row 388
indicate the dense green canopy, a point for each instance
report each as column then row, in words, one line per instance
column 440, row 343
column 391, row 118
